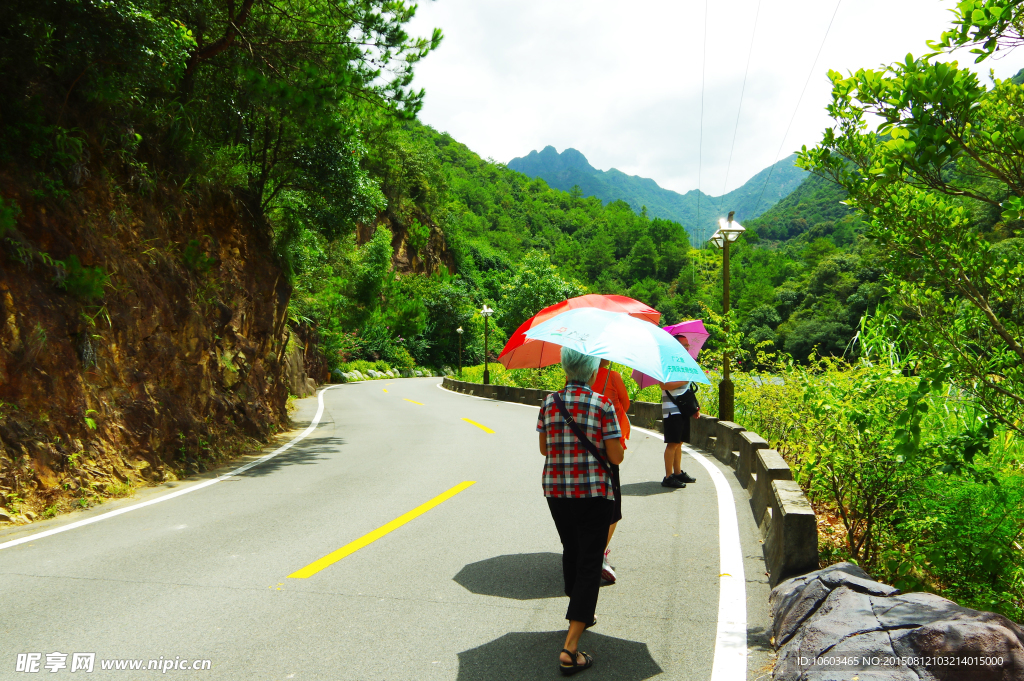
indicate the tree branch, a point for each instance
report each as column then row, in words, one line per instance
column 224, row 42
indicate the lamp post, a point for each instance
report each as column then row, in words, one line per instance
column 486, row 312
column 459, row 331
column 728, row 231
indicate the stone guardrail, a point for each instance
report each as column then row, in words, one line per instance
column 783, row 514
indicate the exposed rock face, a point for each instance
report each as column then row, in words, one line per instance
column 430, row 258
column 176, row 364
column 834, row 622
column 299, row 383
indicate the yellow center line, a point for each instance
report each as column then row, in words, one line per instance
column 413, row 401
column 384, row 389
column 367, row 539
column 479, row 425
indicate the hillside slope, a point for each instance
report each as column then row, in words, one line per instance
column 571, row 168
column 143, row 339
column 816, row 200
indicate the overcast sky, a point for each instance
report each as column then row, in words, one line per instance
column 621, row 81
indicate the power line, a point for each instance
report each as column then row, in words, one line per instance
column 814, row 64
column 700, row 144
column 739, row 109
column 700, row 147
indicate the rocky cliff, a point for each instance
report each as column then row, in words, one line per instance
column 142, row 338
column 418, row 243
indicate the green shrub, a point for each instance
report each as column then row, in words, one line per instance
column 82, row 282
column 401, row 359
column 195, row 259
column 8, row 216
column 908, row 478
column 364, row 366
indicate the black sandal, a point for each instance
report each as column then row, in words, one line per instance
column 570, row 669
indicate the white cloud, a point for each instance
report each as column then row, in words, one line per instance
column 622, row 82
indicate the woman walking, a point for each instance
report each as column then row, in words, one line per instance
column 609, row 383
column 580, row 439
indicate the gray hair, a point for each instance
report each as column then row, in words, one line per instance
column 577, row 366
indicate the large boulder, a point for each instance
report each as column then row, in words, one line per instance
column 832, row 622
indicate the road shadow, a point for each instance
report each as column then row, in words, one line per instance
column 759, row 638
column 645, row 489
column 530, row 656
column 306, row 453
column 520, row 576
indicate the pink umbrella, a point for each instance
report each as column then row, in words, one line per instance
column 695, row 333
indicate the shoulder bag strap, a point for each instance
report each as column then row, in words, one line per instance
column 580, row 435
column 689, row 409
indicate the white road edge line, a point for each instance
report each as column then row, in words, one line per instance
column 172, row 495
column 731, row 638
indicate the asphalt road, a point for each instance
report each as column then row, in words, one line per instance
column 469, row 589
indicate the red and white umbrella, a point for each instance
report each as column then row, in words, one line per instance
column 523, row 353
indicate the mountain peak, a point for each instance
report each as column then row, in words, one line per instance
column 571, row 168
column 548, row 159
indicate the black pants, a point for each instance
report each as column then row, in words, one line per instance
column 677, row 429
column 582, row 526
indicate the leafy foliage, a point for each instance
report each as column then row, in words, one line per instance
column 909, row 479
column 941, row 193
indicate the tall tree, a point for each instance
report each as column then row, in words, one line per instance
column 942, row 181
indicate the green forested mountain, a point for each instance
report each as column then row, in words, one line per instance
column 513, row 243
column 571, row 168
column 804, row 275
column 518, row 245
column 816, row 200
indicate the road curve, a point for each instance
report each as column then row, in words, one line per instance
column 362, row 553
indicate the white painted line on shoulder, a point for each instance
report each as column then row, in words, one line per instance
column 731, row 638
column 172, row 495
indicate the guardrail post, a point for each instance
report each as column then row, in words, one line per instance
column 701, row 429
column 770, row 466
column 726, row 441
column 791, row 546
column 749, row 442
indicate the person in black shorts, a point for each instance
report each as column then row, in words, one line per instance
column 676, row 426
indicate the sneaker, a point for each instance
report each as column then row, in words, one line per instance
column 607, row 572
column 683, row 476
column 673, row 482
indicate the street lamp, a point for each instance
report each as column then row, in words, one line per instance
column 459, row 331
column 728, row 231
column 486, row 312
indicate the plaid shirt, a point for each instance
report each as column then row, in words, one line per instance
column 569, row 469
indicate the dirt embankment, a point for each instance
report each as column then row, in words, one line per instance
column 177, row 363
